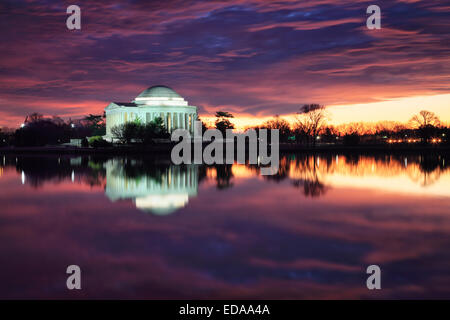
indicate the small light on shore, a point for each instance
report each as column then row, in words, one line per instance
column 435, row 140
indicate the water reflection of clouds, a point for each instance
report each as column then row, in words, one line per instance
column 242, row 236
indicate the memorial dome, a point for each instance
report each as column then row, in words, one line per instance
column 159, row 92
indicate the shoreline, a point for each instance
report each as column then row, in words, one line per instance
column 161, row 149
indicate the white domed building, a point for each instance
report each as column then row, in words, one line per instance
column 156, row 101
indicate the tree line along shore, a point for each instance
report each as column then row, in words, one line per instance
column 311, row 130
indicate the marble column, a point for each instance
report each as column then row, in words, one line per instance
column 191, row 129
column 190, row 122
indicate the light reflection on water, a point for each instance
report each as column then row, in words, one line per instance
column 143, row 228
column 158, row 190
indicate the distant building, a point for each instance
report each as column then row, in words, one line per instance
column 156, row 101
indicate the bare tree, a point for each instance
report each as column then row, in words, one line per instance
column 311, row 119
column 427, row 123
column 424, row 119
column 302, row 128
column 280, row 124
column 118, row 132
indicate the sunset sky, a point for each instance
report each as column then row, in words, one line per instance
column 254, row 59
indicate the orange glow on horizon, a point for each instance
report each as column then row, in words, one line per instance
column 398, row 110
column 394, row 110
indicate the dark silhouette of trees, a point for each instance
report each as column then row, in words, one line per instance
column 224, row 114
column 96, row 123
column 302, row 131
column 222, row 123
column 329, row 134
column 84, row 143
column 6, row 136
column 34, row 117
column 425, row 118
column 98, row 142
column 39, row 131
column 140, row 133
column 3, row 138
column 132, row 131
column 351, row 139
column 426, row 122
column 309, row 128
column 118, row 132
column 310, row 120
column 281, row 125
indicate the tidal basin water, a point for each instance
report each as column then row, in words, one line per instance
column 143, row 228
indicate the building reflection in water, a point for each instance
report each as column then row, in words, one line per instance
column 160, row 190
column 157, row 186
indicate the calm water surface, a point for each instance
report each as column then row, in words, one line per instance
column 142, row 228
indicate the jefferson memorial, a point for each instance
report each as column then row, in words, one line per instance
column 156, row 101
